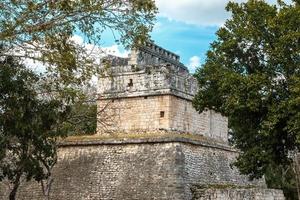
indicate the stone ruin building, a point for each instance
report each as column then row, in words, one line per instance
column 152, row 91
column 151, row 143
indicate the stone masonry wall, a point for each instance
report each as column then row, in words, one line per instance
column 218, row 126
column 238, row 194
column 152, row 90
column 154, row 97
column 106, row 172
column 132, row 81
column 164, row 112
column 212, row 166
column 153, row 54
column 162, row 169
column 184, row 117
column 134, row 114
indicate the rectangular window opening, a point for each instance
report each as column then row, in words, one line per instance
column 130, row 84
column 162, row 114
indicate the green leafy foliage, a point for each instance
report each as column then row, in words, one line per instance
column 252, row 75
column 35, row 109
column 82, row 119
column 29, row 126
column 282, row 178
column 42, row 30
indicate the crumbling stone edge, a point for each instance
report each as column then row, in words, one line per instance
column 166, row 139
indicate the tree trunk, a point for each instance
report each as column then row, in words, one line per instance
column 16, row 184
column 297, row 172
column 46, row 187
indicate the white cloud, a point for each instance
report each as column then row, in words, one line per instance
column 194, row 62
column 77, row 39
column 34, row 65
column 116, row 51
column 157, row 26
column 97, row 51
column 199, row 12
column 94, row 51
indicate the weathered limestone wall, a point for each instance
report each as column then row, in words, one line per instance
column 134, row 114
column 211, row 166
column 218, row 126
column 154, row 92
column 132, row 81
column 154, row 168
column 129, row 171
column 238, row 194
column 150, row 96
column 184, row 117
column 154, row 113
column 153, row 54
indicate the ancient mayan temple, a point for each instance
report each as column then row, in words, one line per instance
column 151, row 143
column 151, row 91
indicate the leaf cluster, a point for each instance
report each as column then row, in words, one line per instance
column 43, row 30
column 82, row 120
column 252, row 75
column 29, row 125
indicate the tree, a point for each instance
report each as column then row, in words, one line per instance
column 252, row 75
column 82, row 119
column 29, row 126
column 34, row 107
column 42, row 31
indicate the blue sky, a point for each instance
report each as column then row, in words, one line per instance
column 189, row 41
column 185, row 27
